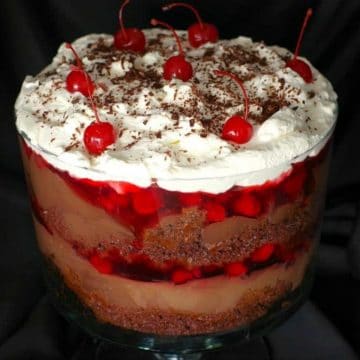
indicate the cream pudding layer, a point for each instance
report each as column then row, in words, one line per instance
column 169, row 132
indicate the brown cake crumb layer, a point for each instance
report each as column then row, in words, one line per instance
column 187, row 240
column 254, row 305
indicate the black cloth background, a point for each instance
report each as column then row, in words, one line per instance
column 31, row 32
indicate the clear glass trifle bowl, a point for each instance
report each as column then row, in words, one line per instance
column 178, row 272
column 176, row 215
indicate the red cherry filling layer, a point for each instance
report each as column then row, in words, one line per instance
column 140, row 267
column 141, row 208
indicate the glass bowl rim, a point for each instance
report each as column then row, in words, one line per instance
column 298, row 158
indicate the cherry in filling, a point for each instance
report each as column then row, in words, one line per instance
column 140, row 267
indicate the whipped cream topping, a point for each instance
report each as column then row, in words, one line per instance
column 169, row 133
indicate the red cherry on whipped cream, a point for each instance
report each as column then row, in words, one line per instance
column 129, row 38
column 99, row 134
column 78, row 79
column 237, row 128
column 176, row 66
column 297, row 65
column 199, row 33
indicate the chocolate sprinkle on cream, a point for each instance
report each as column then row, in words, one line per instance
column 172, row 129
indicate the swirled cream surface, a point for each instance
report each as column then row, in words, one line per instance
column 169, row 132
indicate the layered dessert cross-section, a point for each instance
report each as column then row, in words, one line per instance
column 174, row 229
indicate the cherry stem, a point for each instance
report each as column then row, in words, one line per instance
column 155, row 22
column 87, row 77
column 92, row 102
column 188, row 6
column 91, row 97
column 240, row 83
column 306, row 20
column 78, row 60
column 121, row 18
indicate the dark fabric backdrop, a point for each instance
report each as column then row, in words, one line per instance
column 31, row 32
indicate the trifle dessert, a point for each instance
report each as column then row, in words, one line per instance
column 197, row 209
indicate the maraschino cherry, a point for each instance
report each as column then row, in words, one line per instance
column 129, row 38
column 297, row 65
column 237, row 128
column 199, row 33
column 99, row 134
column 78, row 79
column 176, row 66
